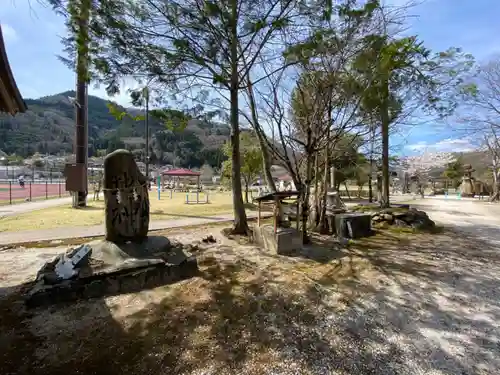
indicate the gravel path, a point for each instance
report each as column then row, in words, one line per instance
column 477, row 219
column 426, row 305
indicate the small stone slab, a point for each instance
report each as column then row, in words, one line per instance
column 114, row 269
column 353, row 225
column 285, row 241
column 127, row 280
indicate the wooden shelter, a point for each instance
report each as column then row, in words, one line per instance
column 10, row 97
column 181, row 172
column 276, row 198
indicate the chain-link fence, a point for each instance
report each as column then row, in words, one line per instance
column 15, row 192
column 39, row 183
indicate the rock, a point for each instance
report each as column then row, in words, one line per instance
column 400, row 223
column 191, row 248
column 126, row 198
column 111, row 253
column 423, row 224
column 209, row 239
column 399, row 214
column 388, row 217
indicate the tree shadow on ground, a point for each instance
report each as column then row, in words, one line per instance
column 436, row 297
column 388, row 307
column 242, row 315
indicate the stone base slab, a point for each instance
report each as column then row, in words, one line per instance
column 114, row 269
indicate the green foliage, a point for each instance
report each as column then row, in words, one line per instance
column 454, row 171
column 251, row 158
column 119, row 113
column 174, row 120
column 15, row 160
column 406, row 65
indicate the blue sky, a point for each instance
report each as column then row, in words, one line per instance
column 32, row 36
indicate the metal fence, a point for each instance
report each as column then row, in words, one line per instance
column 12, row 192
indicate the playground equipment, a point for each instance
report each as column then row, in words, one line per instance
column 197, row 201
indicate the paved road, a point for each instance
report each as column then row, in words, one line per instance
column 21, row 208
column 11, row 238
column 478, row 219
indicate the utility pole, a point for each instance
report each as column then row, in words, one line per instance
column 81, row 107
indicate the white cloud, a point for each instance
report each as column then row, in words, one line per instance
column 446, row 145
column 9, row 33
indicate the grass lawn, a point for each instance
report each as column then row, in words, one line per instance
column 93, row 214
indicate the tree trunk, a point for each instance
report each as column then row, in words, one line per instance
column 323, row 226
column 266, row 157
column 240, row 225
column 347, row 190
column 315, row 220
column 306, row 189
column 305, row 203
column 496, row 187
column 81, row 115
column 246, row 193
column 370, row 175
column 370, row 188
column 266, row 161
column 384, row 117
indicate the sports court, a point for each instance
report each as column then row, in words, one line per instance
column 31, row 190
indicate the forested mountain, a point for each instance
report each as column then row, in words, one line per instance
column 48, row 127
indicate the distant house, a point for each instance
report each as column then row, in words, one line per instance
column 10, row 97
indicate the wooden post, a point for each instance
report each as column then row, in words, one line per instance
column 297, row 220
column 258, row 215
column 332, row 177
column 275, row 214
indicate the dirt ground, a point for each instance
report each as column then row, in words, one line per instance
column 395, row 303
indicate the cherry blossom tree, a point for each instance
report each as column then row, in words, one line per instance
column 419, row 168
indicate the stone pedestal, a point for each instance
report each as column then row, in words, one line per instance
column 285, row 241
column 114, row 269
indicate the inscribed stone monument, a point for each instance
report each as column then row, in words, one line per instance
column 126, row 199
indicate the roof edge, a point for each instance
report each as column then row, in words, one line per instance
column 10, row 85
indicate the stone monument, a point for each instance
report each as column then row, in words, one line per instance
column 126, row 199
column 467, row 186
column 127, row 260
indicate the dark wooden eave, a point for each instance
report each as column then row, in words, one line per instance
column 280, row 195
column 10, row 97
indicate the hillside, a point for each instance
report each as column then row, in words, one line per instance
column 479, row 160
column 48, row 128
